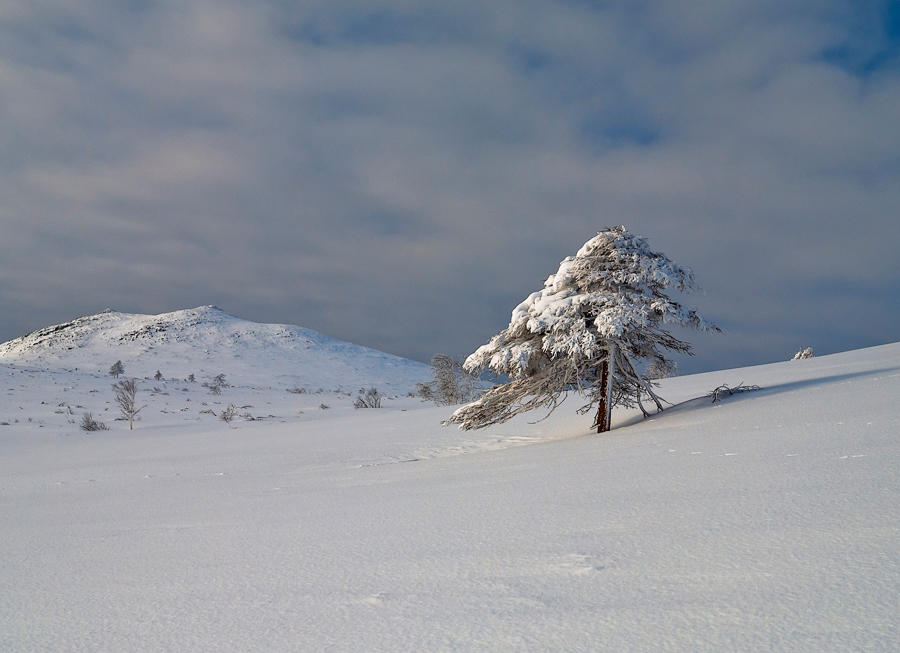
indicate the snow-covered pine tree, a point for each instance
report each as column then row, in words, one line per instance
column 603, row 311
column 803, row 354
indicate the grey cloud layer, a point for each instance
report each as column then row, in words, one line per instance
column 401, row 175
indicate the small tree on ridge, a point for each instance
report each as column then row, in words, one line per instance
column 803, row 354
column 452, row 383
column 126, row 398
column 217, row 384
column 116, row 369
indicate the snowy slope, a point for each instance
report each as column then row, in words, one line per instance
column 770, row 521
column 206, row 341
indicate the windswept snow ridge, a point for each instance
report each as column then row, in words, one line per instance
column 207, row 341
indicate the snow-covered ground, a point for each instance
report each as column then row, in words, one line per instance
column 767, row 521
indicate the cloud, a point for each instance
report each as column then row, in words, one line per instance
column 402, row 174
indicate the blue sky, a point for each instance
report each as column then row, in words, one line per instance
column 401, row 174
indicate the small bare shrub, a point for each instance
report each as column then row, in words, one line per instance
column 371, row 399
column 424, row 390
column 229, row 413
column 88, row 423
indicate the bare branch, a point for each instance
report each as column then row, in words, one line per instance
column 724, row 391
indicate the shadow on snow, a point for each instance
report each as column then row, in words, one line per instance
column 699, row 403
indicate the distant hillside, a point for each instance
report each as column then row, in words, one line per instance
column 206, row 341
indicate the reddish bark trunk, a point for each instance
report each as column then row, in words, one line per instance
column 603, row 409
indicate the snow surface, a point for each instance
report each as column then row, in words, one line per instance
column 767, row 521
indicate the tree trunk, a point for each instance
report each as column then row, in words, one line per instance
column 601, row 409
column 604, row 411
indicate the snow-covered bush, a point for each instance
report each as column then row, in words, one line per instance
column 803, row 353
column 604, row 310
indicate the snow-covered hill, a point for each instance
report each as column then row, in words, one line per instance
column 206, row 341
column 764, row 522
